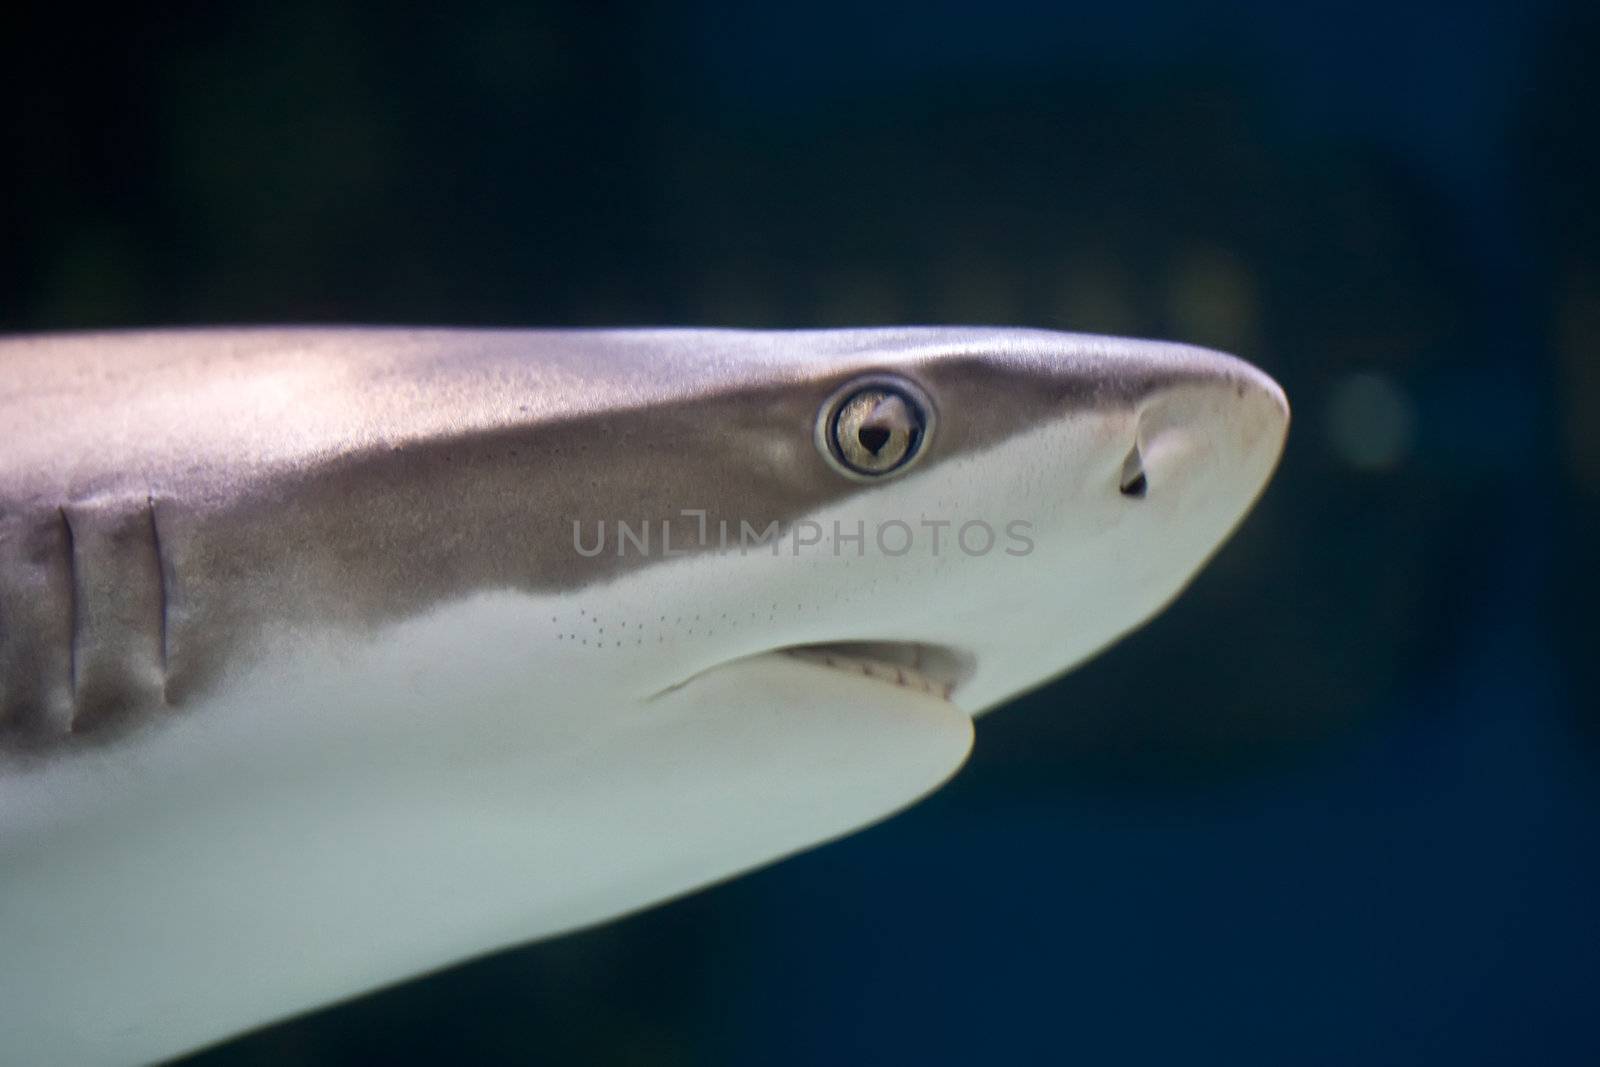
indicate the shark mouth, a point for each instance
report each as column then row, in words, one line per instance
column 933, row 669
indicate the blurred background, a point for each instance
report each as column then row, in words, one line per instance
column 1340, row 804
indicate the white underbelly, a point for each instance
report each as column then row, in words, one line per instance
column 353, row 813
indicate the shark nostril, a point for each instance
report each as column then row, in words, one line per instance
column 1133, row 482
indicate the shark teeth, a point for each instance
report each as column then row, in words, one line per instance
column 909, row 665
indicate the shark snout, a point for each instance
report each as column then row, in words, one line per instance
column 1214, row 437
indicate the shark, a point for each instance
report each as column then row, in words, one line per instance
column 333, row 656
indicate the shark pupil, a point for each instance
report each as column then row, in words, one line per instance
column 873, row 439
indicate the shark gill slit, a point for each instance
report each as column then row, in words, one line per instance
column 74, row 599
column 161, row 595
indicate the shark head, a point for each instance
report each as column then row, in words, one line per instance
column 1033, row 497
column 347, row 654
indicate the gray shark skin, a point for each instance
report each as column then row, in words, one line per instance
column 309, row 684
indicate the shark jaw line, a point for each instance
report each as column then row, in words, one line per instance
column 935, row 670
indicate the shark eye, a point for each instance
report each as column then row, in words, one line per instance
column 874, row 427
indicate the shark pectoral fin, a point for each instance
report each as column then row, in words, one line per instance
column 762, row 757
